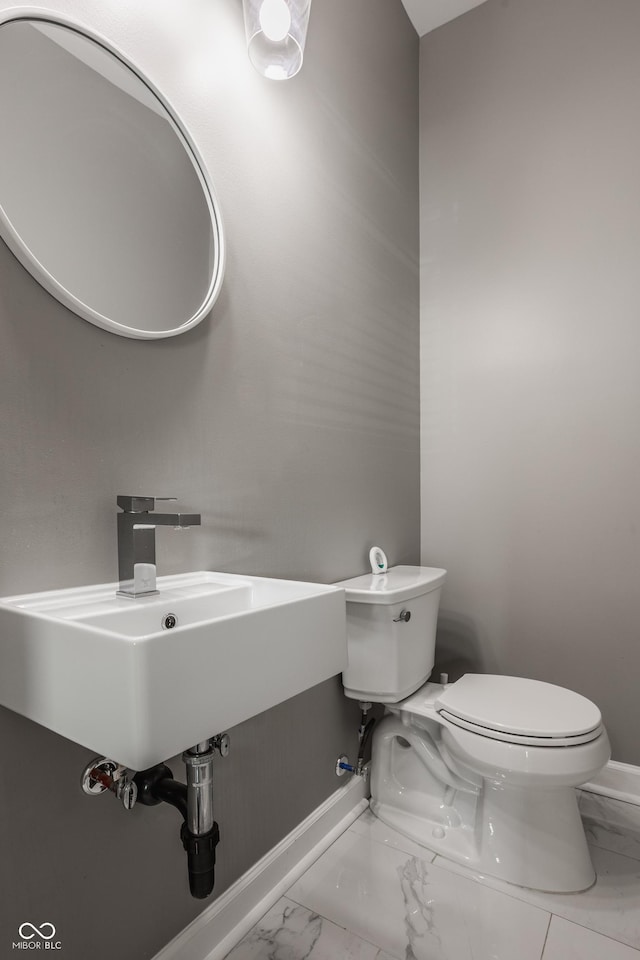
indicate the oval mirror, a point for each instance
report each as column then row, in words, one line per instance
column 103, row 196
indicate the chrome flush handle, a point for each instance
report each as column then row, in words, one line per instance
column 405, row 616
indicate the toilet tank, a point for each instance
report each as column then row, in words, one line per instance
column 391, row 632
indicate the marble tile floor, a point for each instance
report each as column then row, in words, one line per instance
column 374, row 895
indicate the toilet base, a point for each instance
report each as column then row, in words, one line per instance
column 531, row 836
column 543, row 848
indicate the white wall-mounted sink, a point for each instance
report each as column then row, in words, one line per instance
column 106, row 672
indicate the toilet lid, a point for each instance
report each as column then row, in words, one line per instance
column 518, row 706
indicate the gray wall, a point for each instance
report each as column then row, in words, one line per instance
column 289, row 419
column 530, row 233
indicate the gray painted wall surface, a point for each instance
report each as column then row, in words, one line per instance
column 289, row 419
column 530, row 232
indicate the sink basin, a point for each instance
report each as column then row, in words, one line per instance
column 141, row 680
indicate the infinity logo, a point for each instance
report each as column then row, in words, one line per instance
column 37, row 930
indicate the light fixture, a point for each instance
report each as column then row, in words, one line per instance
column 276, row 32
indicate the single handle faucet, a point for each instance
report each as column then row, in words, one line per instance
column 137, row 542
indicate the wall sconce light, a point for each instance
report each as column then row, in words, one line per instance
column 276, row 32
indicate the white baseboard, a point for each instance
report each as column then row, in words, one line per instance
column 620, row 781
column 218, row 928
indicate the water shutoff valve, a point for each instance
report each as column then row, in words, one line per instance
column 105, row 774
column 222, row 743
column 343, row 766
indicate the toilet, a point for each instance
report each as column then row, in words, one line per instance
column 482, row 771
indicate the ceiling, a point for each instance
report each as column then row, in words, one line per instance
column 426, row 15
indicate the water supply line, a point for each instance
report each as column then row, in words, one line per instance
column 364, row 734
column 365, row 730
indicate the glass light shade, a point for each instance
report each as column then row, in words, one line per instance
column 276, row 33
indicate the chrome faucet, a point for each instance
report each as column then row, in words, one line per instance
column 137, row 542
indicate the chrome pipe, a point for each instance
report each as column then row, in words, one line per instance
column 199, row 763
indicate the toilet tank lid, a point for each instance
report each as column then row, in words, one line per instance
column 396, row 585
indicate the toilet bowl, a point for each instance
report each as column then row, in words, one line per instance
column 500, row 801
column 482, row 771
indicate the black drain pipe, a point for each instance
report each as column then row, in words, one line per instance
column 156, row 785
column 194, row 800
column 201, row 860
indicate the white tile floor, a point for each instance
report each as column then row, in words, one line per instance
column 374, row 895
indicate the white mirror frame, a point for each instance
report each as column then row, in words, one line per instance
column 36, row 268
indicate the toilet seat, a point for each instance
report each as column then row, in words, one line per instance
column 525, row 739
column 516, row 710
